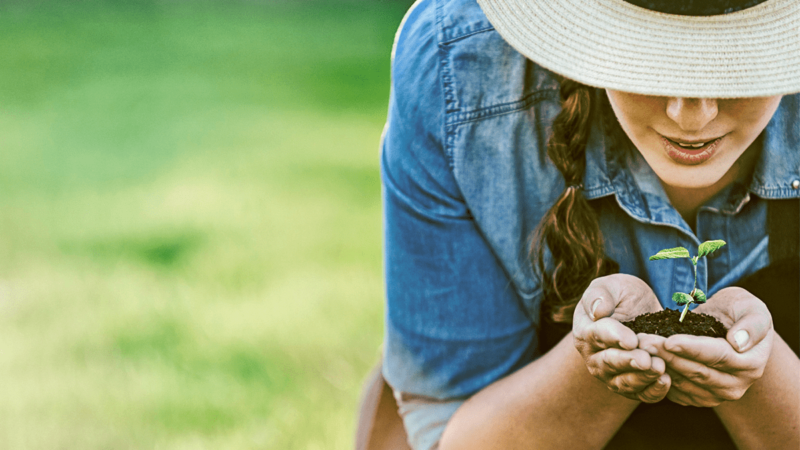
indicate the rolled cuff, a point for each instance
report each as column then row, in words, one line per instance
column 425, row 418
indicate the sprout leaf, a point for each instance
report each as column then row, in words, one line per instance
column 709, row 247
column 671, row 253
column 682, row 298
column 699, row 296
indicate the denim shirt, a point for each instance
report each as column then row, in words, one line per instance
column 466, row 179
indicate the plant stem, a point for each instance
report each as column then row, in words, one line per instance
column 686, row 308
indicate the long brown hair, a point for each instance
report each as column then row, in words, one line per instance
column 570, row 229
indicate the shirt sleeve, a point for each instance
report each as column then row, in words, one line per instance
column 454, row 322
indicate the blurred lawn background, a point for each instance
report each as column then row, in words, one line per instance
column 190, row 231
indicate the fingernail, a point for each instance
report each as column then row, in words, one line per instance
column 741, row 337
column 651, row 350
column 662, row 381
column 595, row 305
column 635, row 365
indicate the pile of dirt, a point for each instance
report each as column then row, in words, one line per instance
column 667, row 322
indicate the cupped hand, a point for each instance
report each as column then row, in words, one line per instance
column 609, row 348
column 708, row 371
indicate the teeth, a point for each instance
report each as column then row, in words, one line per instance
column 692, row 145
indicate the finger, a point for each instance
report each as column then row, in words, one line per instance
column 748, row 319
column 657, row 365
column 751, row 328
column 671, row 359
column 631, row 382
column 699, row 374
column 619, row 361
column 651, row 343
column 656, row 391
column 598, row 301
column 582, row 319
column 681, row 398
column 609, row 333
column 686, row 393
column 713, row 352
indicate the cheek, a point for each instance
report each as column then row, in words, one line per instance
column 751, row 114
column 638, row 113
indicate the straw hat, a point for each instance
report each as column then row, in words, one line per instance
column 675, row 48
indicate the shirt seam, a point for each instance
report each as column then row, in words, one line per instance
column 464, row 36
column 777, row 193
column 445, row 79
column 524, row 103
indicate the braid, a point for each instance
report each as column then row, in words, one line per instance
column 570, row 228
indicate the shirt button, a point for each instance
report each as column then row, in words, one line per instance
column 796, row 184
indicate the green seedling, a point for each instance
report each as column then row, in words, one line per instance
column 696, row 295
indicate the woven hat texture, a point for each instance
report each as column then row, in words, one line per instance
column 613, row 44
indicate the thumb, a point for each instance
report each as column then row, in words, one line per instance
column 749, row 331
column 750, row 328
column 598, row 301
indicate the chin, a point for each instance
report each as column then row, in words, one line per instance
column 680, row 183
column 690, row 177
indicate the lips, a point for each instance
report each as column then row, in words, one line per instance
column 696, row 146
column 691, row 156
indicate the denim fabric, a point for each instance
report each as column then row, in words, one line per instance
column 466, row 179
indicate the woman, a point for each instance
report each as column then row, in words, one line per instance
column 536, row 154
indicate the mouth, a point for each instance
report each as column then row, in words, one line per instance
column 691, row 153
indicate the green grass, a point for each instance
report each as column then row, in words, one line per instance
column 189, row 221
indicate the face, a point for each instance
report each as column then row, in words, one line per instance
column 691, row 142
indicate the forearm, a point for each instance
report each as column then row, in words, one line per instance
column 551, row 403
column 768, row 415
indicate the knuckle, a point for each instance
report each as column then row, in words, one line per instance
column 699, row 374
column 604, row 358
column 648, row 396
column 623, row 384
column 720, row 361
column 597, row 342
column 731, row 394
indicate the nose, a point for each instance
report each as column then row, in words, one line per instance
column 692, row 114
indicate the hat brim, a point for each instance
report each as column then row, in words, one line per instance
column 614, row 44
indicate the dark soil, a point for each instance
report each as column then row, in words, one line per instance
column 666, row 323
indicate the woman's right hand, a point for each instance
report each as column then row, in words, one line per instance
column 609, row 348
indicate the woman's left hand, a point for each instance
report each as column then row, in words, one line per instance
column 708, row 371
